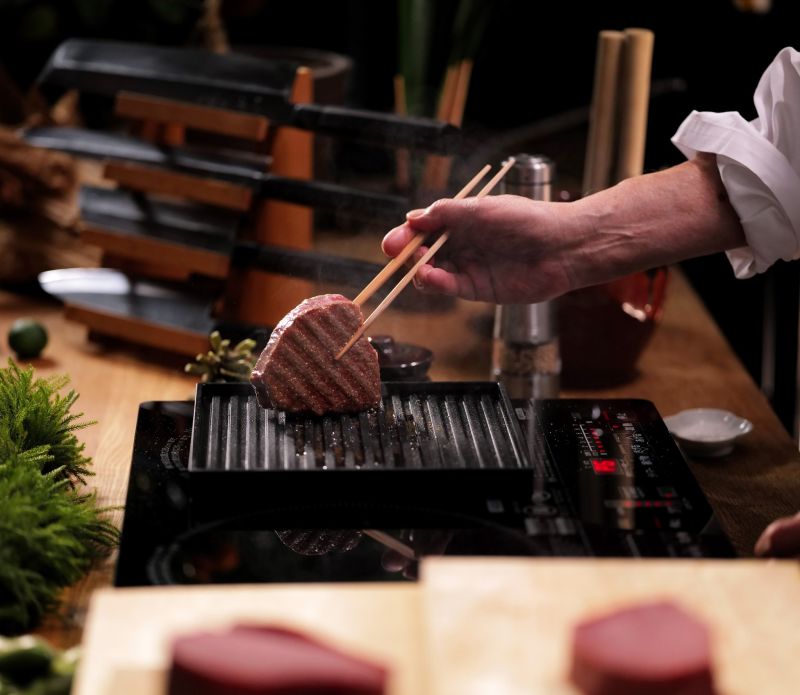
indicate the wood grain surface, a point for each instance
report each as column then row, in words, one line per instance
column 126, row 649
column 505, row 625
column 687, row 364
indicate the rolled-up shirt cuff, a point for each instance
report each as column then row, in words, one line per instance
column 761, row 184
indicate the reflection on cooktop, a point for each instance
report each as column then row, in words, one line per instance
column 608, row 481
column 216, row 554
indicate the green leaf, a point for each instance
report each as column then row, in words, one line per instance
column 469, row 28
column 415, row 22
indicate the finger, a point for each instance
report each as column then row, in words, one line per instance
column 440, row 281
column 397, row 239
column 780, row 539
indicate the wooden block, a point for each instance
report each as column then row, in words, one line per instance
column 282, row 224
column 188, row 259
column 505, row 625
column 206, row 118
column 152, row 180
column 147, row 268
column 140, row 332
column 123, row 653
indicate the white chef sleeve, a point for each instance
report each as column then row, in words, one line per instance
column 759, row 162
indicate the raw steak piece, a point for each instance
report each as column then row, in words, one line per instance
column 297, row 370
column 648, row 649
column 261, row 660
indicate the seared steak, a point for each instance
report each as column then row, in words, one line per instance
column 297, row 370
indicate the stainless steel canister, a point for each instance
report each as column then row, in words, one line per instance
column 525, row 354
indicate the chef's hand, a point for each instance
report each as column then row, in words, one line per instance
column 781, row 538
column 502, row 249
column 508, row 249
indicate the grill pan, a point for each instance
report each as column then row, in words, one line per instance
column 452, row 445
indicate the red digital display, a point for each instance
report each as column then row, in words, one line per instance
column 604, row 466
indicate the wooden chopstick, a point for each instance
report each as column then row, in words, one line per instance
column 411, row 246
column 392, row 543
column 409, row 276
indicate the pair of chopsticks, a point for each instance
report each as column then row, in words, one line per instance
column 409, row 249
column 618, row 118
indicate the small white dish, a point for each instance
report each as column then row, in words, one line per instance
column 707, row 431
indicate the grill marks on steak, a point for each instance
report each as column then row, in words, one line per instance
column 297, row 370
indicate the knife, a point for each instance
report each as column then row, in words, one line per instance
column 199, row 226
column 231, row 81
column 104, row 145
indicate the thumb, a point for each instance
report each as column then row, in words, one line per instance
column 429, row 219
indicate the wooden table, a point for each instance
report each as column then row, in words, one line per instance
column 687, row 364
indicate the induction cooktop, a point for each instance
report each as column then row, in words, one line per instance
column 437, row 469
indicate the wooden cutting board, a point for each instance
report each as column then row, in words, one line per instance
column 127, row 638
column 503, row 626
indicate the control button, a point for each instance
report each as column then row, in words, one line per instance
column 667, row 491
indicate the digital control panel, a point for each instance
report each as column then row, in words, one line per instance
column 615, row 480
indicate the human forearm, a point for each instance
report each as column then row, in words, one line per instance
column 651, row 220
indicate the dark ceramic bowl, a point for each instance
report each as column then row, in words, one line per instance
column 401, row 361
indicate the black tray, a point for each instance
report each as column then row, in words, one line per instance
column 452, row 445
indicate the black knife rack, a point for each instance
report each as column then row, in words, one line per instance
column 182, row 218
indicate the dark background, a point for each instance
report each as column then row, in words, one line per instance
column 530, row 88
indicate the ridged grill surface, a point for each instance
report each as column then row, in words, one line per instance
column 465, row 426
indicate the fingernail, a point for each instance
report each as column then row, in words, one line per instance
column 415, row 214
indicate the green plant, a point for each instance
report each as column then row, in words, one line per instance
column 50, row 531
column 37, row 415
column 418, row 21
column 223, row 362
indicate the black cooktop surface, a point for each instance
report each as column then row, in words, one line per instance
column 592, row 478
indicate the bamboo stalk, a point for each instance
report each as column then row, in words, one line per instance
column 634, row 101
column 443, row 113
column 402, row 155
column 601, row 139
column 456, row 117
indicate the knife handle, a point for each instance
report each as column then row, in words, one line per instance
column 330, row 196
column 309, row 265
column 378, row 128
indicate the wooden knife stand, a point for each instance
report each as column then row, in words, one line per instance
column 246, row 297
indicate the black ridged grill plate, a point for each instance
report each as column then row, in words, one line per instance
column 460, row 425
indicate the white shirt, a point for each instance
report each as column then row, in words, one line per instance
column 759, row 162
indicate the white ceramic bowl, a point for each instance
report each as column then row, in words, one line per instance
column 707, row 431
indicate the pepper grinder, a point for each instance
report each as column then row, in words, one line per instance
column 525, row 353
